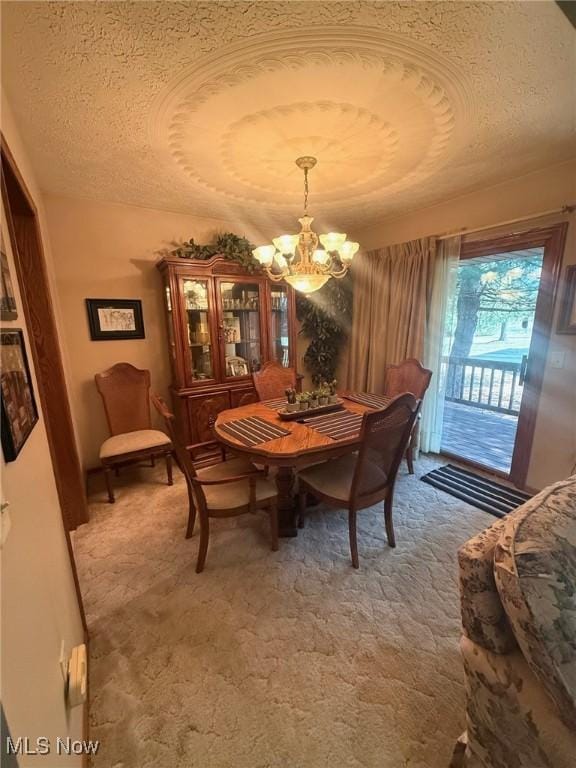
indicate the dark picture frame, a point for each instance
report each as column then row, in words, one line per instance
column 8, row 310
column 115, row 319
column 19, row 411
column 567, row 313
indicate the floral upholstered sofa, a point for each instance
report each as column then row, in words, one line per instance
column 518, row 593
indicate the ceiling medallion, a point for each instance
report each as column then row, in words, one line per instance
column 297, row 259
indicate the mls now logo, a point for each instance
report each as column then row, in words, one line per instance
column 23, row 745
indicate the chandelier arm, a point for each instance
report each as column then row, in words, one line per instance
column 342, row 273
column 276, row 278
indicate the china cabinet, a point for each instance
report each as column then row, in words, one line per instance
column 223, row 324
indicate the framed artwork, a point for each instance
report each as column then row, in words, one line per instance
column 7, row 300
column 112, row 319
column 567, row 314
column 19, row 412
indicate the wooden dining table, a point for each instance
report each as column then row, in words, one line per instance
column 301, row 447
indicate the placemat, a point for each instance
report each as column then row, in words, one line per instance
column 253, row 430
column 276, row 405
column 365, row 398
column 341, row 425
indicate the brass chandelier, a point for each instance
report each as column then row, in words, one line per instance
column 297, row 259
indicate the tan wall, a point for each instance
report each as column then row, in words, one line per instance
column 554, row 448
column 106, row 250
column 39, row 607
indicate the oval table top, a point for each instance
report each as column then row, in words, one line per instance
column 298, row 447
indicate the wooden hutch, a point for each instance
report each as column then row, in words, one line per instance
column 223, row 324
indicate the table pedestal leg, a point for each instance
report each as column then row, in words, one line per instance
column 286, row 509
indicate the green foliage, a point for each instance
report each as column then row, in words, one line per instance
column 227, row 244
column 325, row 318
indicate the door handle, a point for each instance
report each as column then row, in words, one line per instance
column 523, row 376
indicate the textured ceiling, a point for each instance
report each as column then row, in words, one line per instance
column 203, row 107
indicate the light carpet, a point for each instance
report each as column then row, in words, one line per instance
column 273, row 660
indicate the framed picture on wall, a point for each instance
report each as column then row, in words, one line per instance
column 7, row 300
column 19, row 412
column 112, row 319
column 567, row 314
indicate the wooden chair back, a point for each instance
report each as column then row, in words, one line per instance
column 384, row 437
column 125, row 391
column 272, row 380
column 408, row 376
column 183, row 458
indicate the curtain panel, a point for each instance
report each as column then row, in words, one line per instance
column 444, row 285
column 392, row 297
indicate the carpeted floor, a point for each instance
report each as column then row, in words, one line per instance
column 273, row 660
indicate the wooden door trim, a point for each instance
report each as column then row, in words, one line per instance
column 552, row 239
column 29, row 259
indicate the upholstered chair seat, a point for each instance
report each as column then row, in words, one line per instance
column 237, row 494
column 228, row 468
column 129, row 442
column 334, row 478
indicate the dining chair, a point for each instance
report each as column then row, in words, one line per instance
column 221, row 490
column 272, row 380
column 408, row 376
column 359, row 480
column 125, row 392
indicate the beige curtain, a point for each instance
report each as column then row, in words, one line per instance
column 392, row 294
column 445, row 274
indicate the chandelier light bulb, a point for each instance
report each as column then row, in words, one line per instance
column 348, row 250
column 333, row 240
column 307, row 283
column 320, row 257
column 286, row 243
column 264, row 254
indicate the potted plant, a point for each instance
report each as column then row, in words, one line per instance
column 314, row 398
column 323, row 394
column 292, row 403
column 332, row 397
column 303, row 401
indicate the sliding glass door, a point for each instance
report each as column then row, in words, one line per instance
column 496, row 333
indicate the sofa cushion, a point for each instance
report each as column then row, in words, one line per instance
column 511, row 721
column 483, row 617
column 535, row 570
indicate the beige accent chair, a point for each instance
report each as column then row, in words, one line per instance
column 227, row 489
column 125, row 391
column 359, row 480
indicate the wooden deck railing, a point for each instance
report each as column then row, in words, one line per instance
column 490, row 384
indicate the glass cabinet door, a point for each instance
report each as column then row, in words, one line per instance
column 240, row 328
column 279, row 325
column 197, row 317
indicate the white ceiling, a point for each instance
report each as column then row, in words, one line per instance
column 203, row 107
